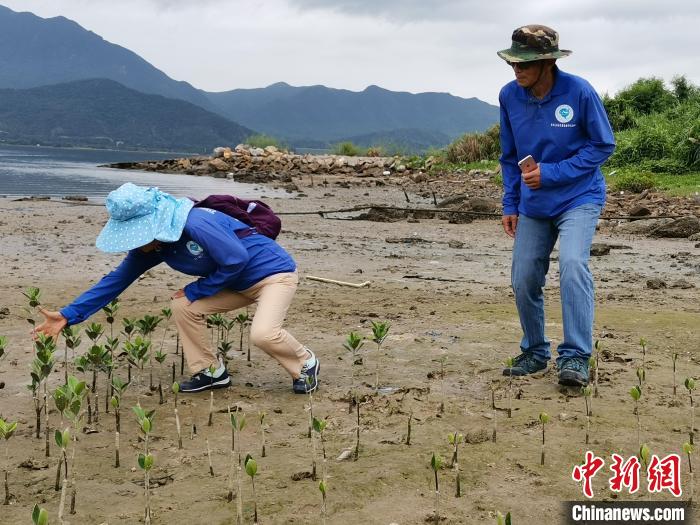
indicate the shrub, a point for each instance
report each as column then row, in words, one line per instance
column 347, row 149
column 262, row 141
column 633, row 182
column 473, row 147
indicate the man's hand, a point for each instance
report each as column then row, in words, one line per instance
column 510, row 222
column 533, row 179
column 53, row 323
column 181, row 293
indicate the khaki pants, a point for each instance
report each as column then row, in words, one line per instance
column 272, row 295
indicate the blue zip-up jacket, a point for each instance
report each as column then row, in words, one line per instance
column 208, row 248
column 567, row 133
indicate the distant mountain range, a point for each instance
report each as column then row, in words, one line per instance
column 104, row 114
column 49, row 52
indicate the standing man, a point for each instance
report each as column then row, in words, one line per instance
column 559, row 120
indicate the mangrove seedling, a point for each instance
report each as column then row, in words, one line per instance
column 690, row 386
column 176, row 390
column 455, row 439
column 408, row 429
column 261, row 417
column 62, row 440
column 94, row 331
column 61, row 398
column 128, row 327
column 110, row 312
column 503, row 520
column 42, row 364
column 353, row 343
column 146, row 326
column 544, row 419
column 494, row 416
column 145, row 421
column 118, row 388
column 3, row 346
column 75, row 392
column 357, row 431
column 443, row 361
column 598, row 348
column 674, row 358
column 587, row 391
column 688, row 450
column 323, row 488
column 112, row 345
column 33, row 295
column 436, row 464
column 641, row 376
column 243, row 320
column 212, row 371
column 251, row 468
column 644, row 455
column 510, row 363
column 7, row 429
column 71, row 335
column 643, row 344
column 40, row 516
column 593, row 372
column 215, row 321
column 237, row 425
column 98, row 359
column 137, row 353
column 636, row 394
column 320, row 426
column 160, row 358
column 379, row 332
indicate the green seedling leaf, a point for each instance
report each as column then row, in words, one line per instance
column 689, row 384
column 641, row 374
column 167, row 313
column 586, row 391
column 645, row 453
column 319, row 425
column 688, row 448
column 39, row 515
column 591, row 363
column 251, row 467
column 322, row 486
column 544, row 418
column 379, row 331
column 114, row 402
column 176, row 387
column 636, row 392
column 146, row 461
column 354, row 342
column 160, row 357
column 436, row 462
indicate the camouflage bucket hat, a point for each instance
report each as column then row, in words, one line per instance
column 533, row 42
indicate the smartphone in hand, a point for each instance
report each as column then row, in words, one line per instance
column 527, row 164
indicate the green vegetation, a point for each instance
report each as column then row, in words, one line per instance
column 348, row 149
column 261, row 140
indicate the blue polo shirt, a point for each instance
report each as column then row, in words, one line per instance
column 567, row 133
column 208, row 248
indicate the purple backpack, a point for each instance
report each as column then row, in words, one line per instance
column 255, row 214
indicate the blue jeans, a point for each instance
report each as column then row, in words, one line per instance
column 534, row 241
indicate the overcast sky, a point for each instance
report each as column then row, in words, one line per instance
column 403, row 45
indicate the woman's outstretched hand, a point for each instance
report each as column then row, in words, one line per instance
column 53, row 323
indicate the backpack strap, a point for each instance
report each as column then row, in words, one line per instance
column 246, row 232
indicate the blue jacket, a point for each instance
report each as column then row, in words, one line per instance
column 567, row 133
column 208, row 248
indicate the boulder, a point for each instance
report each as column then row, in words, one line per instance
column 218, row 164
column 641, row 227
column 678, row 228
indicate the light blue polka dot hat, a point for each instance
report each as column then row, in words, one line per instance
column 139, row 215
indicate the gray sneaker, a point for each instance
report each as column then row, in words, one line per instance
column 525, row 364
column 573, row 371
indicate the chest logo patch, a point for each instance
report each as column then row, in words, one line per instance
column 194, row 248
column 564, row 113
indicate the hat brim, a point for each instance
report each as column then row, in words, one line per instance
column 165, row 224
column 510, row 55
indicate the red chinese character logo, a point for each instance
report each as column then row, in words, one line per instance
column 626, row 474
column 587, row 471
column 665, row 474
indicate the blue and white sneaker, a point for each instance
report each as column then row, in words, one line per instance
column 307, row 381
column 203, row 381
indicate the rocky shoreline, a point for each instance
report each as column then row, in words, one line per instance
column 267, row 164
column 468, row 194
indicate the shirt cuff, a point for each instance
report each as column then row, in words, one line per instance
column 70, row 314
column 192, row 293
